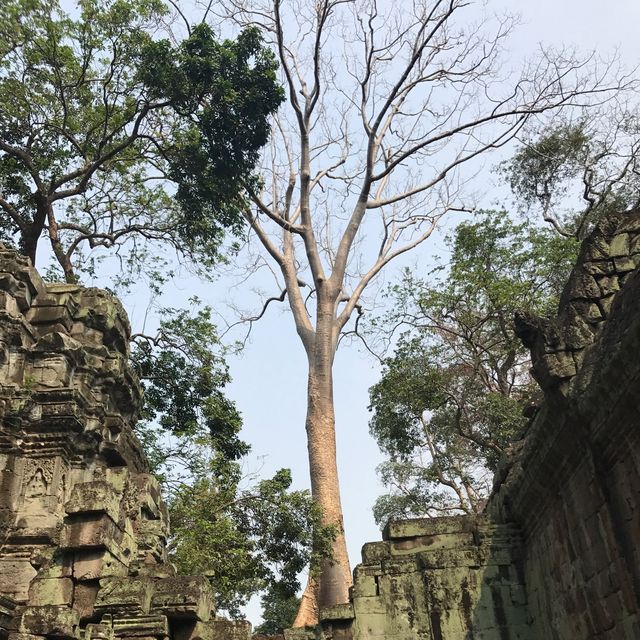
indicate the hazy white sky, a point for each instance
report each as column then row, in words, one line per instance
column 269, row 378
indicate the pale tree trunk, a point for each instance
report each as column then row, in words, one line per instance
column 330, row 582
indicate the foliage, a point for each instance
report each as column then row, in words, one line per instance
column 542, row 168
column 225, row 91
column 245, row 535
column 246, row 539
column 279, row 610
column 186, row 414
column 576, row 172
column 451, row 397
column 92, row 153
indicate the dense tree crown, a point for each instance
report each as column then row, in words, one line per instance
column 451, row 397
column 98, row 117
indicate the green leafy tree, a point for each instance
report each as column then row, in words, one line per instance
column 575, row 172
column 245, row 535
column 451, row 397
column 244, row 540
column 89, row 144
column 187, row 415
column 279, row 610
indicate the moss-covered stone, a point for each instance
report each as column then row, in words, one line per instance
column 83, row 524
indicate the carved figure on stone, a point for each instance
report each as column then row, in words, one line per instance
column 36, row 486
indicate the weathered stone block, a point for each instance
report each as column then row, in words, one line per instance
column 223, row 630
column 9, row 304
column 94, row 564
column 210, row 630
column 52, row 315
column 155, row 626
column 442, row 558
column 124, row 596
column 118, row 478
column 97, row 496
column 51, row 591
column 400, row 565
column 373, row 552
column 152, row 569
column 24, row 636
column 183, row 597
column 15, row 576
column 51, row 562
column 373, row 625
column 619, row 245
column 98, row 631
column 598, row 249
column 7, row 615
column 608, row 285
column 562, row 365
column 365, row 583
column 417, row 527
column 84, row 598
column 366, row 606
column 90, row 531
column 624, row 265
column 51, row 372
column 338, row 612
column 50, row 620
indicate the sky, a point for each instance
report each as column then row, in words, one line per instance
column 269, row 377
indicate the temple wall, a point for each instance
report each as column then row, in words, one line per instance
column 437, row 578
column 574, row 487
column 83, row 527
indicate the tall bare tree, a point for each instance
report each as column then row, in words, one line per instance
column 387, row 104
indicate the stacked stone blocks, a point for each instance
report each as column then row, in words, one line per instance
column 437, row 578
column 83, row 527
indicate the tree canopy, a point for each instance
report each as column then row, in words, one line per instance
column 100, row 139
column 452, row 395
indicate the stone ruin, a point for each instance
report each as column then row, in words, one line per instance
column 83, row 528
column 556, row 556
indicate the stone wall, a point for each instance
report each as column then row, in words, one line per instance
column 83, row 528
column 574, row 487
column 437, row 578
column 557, row 555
